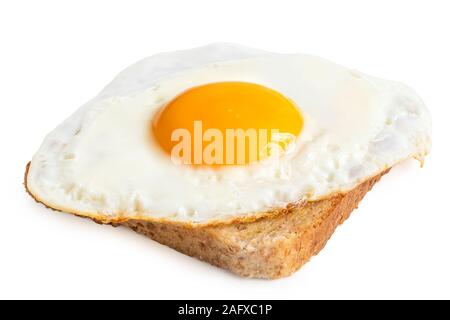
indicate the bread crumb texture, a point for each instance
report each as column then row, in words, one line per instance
column 272, row 247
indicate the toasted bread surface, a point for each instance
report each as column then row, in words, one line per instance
column 271, row 246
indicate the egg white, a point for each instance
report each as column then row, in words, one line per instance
column 102, row 160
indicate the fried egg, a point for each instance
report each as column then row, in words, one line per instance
column 332, row 128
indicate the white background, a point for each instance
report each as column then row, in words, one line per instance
column 55, row 55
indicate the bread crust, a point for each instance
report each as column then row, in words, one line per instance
column 271, row 245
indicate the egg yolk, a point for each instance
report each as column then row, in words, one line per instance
column 226, row 123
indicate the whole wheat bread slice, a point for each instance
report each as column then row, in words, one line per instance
column 270, row 247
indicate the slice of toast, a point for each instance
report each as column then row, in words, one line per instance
column 270, row 247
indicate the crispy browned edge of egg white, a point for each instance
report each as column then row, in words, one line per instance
column 291, row 207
